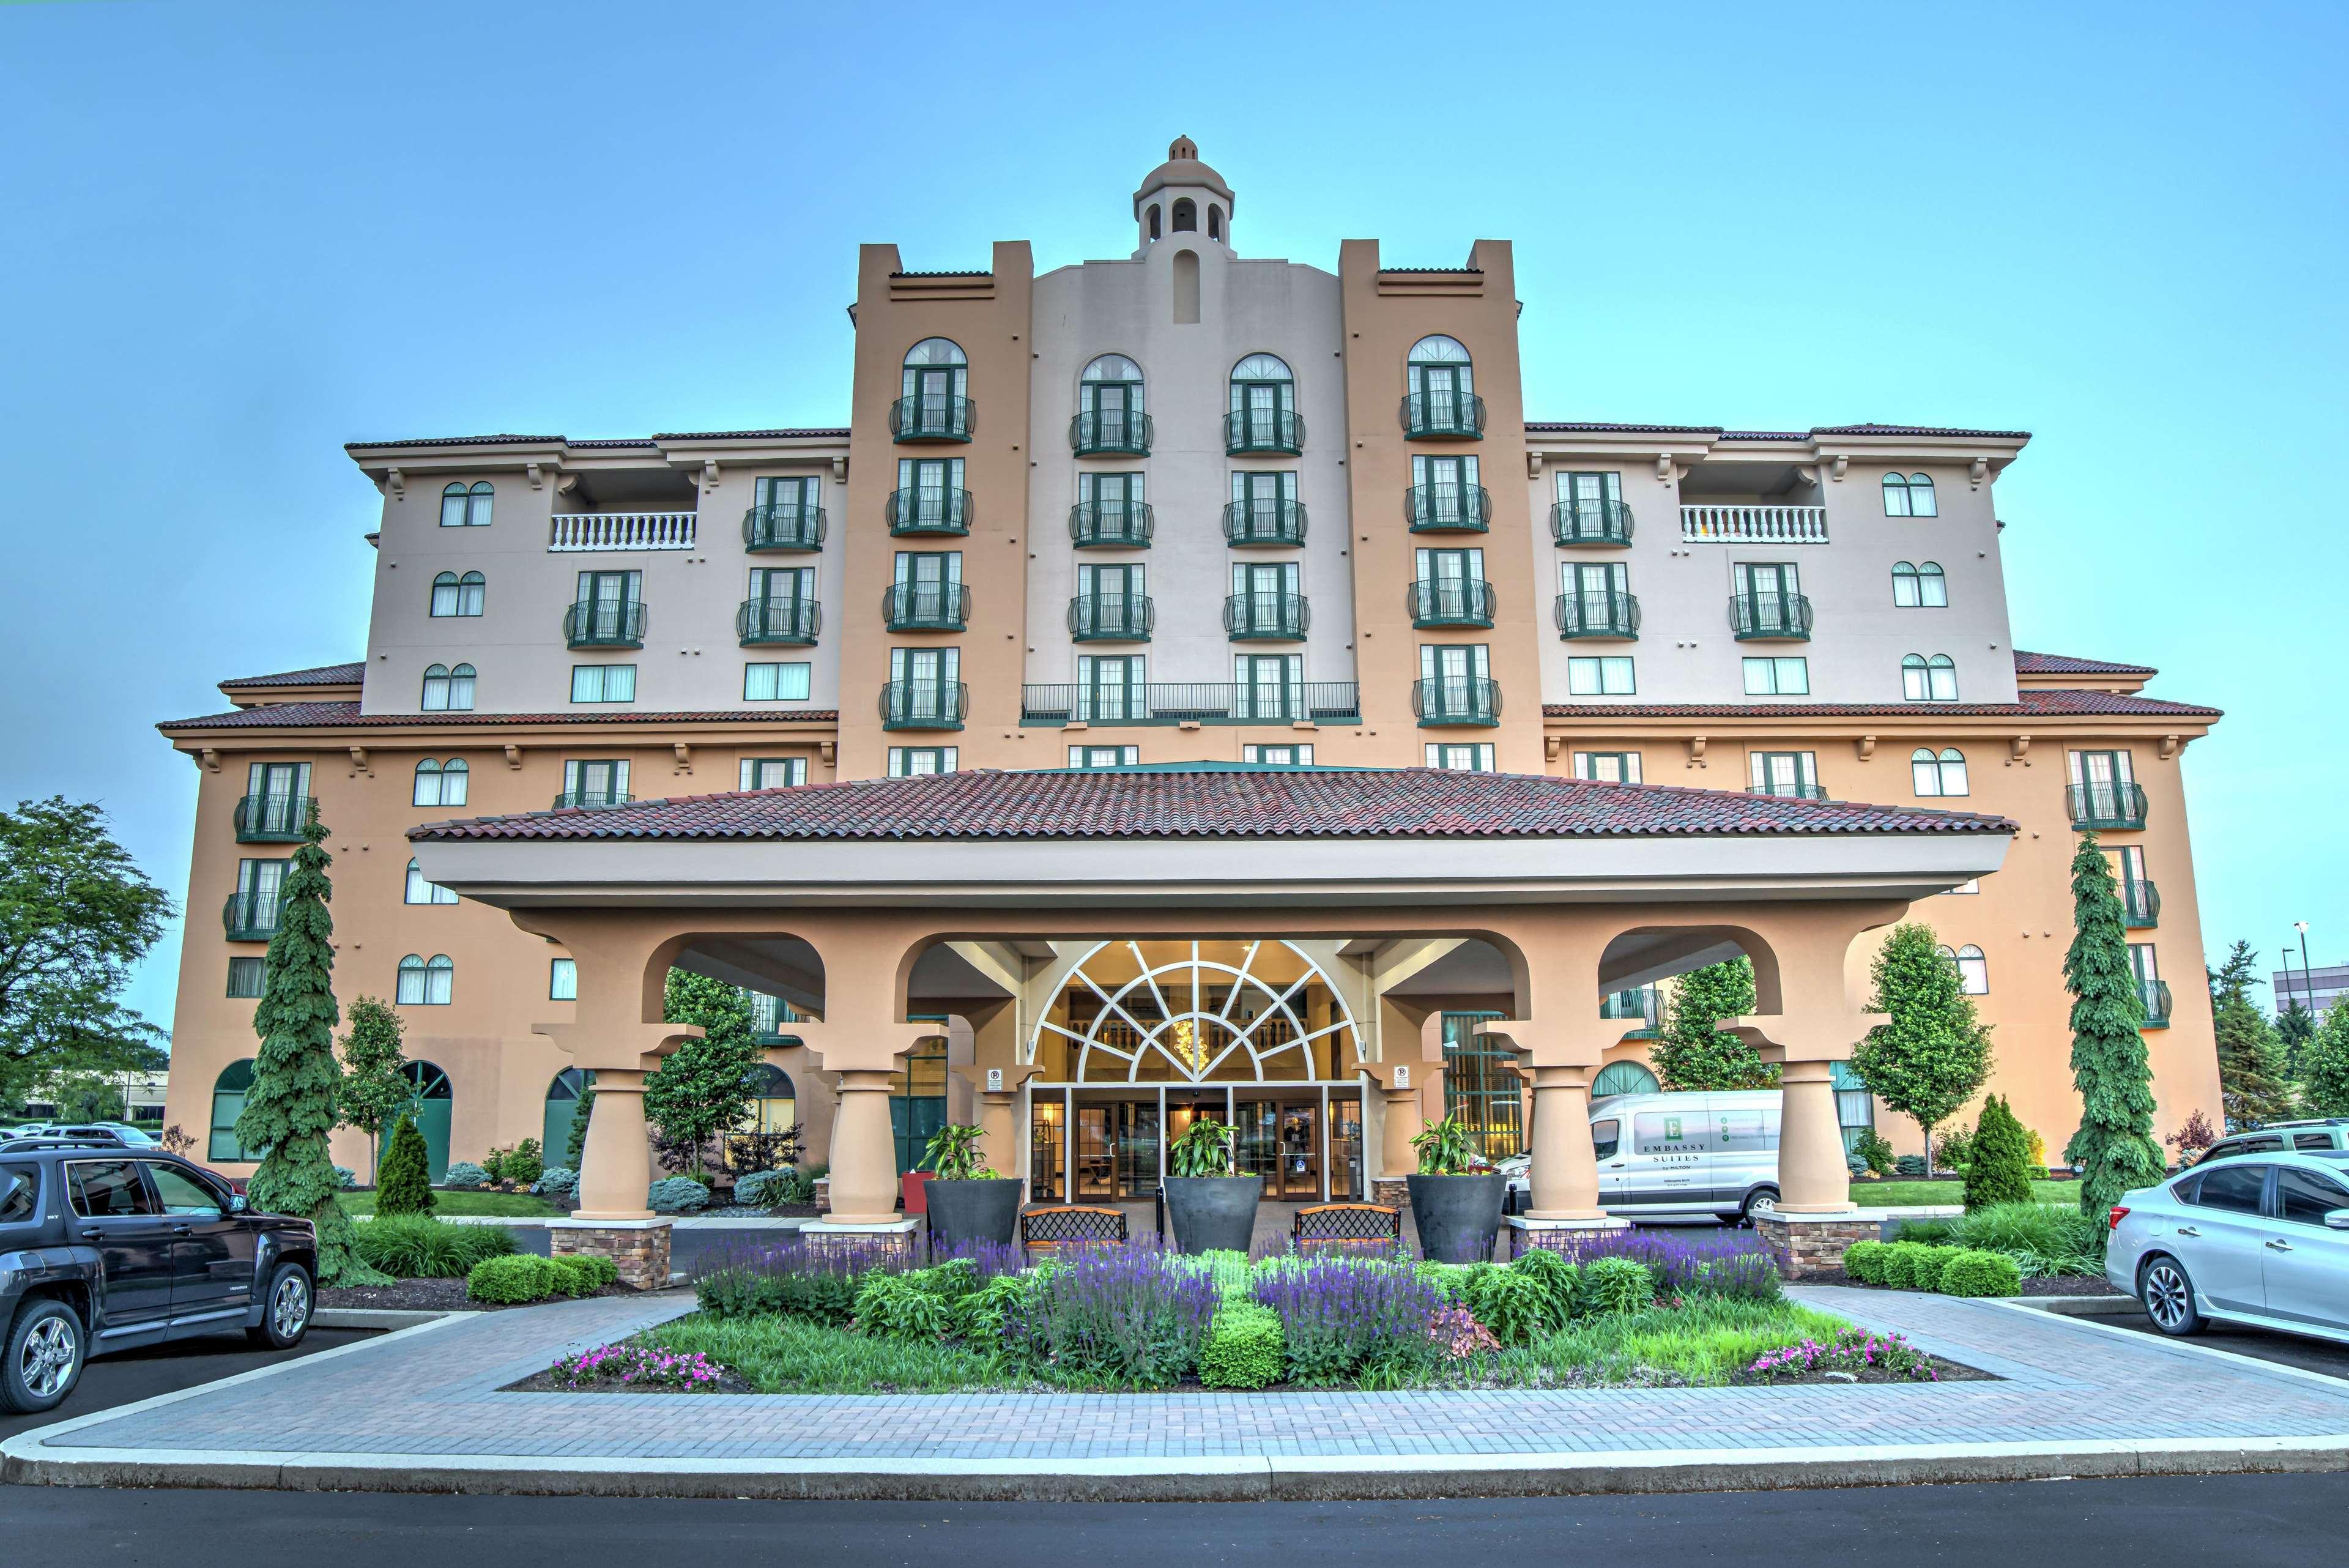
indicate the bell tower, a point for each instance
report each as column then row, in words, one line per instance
column 1183, row 196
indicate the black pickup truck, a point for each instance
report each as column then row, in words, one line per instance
column 105, row 1248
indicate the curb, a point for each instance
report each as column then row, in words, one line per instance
column 1275, row 1478
column 374, row 1317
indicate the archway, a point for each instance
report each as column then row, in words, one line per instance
column 428, row 1104
column 228, row 1104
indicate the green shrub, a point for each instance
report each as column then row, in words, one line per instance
column 1930, row 1232
column 558, row 1182
column 1451, row 1280
column 1972, row 1273
column 1616, row 1284
column 1518, row 1307
column 1864, row 1261
column 403, row 1182
column 1909, row 1165
column 1900, row 1261
column 1560, row 1277
column 762, row 1189
column 677, row 1195
column 589, row 1273
column 978, row 1317
column 465, row 1176
column 816, row 1296
column 897, row 1306
column 950, row 1280
column 1956, row 1149
column 1925, row 1271
column 1875, row 1152
column 418, row 1247
column 2000, row 1170
column 2042, row 1238
column 1244, row 1349
column 518, row 1277
column 523, row 1166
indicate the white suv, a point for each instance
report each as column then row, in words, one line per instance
column 2255, row 1239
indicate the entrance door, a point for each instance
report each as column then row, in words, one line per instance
column 1137, row 1148
column 428, row 1104
column 1096, row 1162
column 934, row 401
column 1345, row 1148
column 1300, row 1149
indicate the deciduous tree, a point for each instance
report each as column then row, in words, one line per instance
column 374, row 1089
column 1933, row 1054
column 704, row 1086
column 2325, row 1080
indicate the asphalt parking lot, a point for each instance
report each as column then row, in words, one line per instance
column 137, row 1375
column 2322, row 1356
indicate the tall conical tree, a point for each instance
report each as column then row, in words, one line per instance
column 2114, row 1146
column 290, row 1110
column 2251, row 1060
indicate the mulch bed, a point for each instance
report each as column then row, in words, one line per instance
column 431, row 1295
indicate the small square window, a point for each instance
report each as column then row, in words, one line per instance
column 1777, row 677
column 775, row 682
column 772, row 773
column 1607, row 767
column 563, row 980
column 1609, row 676
column 246, row 976
column 603, row 683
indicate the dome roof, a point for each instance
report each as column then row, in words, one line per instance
column 1182, row 168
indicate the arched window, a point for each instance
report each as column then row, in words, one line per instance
column 936, row 387
column 1153, row 220
column 1264, row 405
column 1933, row 586
column 1910, row 496
column 1442, row 386
column 456, row 596
column 1938, row 774
column 775, row 1102
column 1215, row 222
column 1933, row 680
column 1109, row 406
column 563, row 1095
column 1186, row 216
column 1973, row 970
column 460, row 689
column 1904, row 585
column 420, row 891
column 454, row 778
column 428, row 783
column 465, row 507
column 228, row 1104
column 426, row 982
column 1624, row 1078
column 435, row 688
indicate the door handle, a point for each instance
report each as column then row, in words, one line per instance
column 2281, row 1246
column 93, row 1235
column 2187, row 1230
column 184, row 1231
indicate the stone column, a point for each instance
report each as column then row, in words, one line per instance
column 1812, row 1175
column 1565, row 1170
column 864, row 1151
column 617, row 1162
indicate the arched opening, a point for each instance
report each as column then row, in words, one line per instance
column 1109, row 406
column 933, row 402
column 1215, row 222
column 1441, row 386
column 1263, row 414
column 428, row 1105
column 229, row 1091
column 563, row 1092
column 1186, row 216
column 1153, row 220
column 1624, row 1078
column 1186, row 287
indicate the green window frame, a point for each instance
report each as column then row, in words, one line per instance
column 1607, row 767
column 920, row 761
column 1602, row 675
column 247, row 977
column 603, row 683
column 563, row 980
column 229, row 1090
column 1770, row 676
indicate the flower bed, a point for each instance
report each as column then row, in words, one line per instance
column 1624, row 1311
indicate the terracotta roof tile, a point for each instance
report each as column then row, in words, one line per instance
column 2064, row 664
column 2029, row 705
column 346, row 715
column 317, row 675
column 1215, row 802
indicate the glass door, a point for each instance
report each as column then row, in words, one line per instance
column 1257, row 1149
column 1768, row 592
column 1137, row 1148
column 1266, row 685
column 1047, row 1146
column 1096, row 1164
column 1345, row 1146
column 1300, row 1149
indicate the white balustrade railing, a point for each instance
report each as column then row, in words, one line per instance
column 1754, row 524
column 622, row 531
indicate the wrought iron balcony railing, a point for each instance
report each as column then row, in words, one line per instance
column 1457, row 699
column 794, row 622
column 932, row 418
column 1591, row 520
column 925, row 606
column 605, row 623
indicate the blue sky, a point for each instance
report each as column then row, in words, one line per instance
column 235, row 237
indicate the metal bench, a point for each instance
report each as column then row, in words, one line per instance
column 1345, row 1225
column 1055, row 1226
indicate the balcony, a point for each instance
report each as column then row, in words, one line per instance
column 925, row 606
column 2155, row 994
column 1448, row 508
column 272, row 818
column 1436, row 416
column 1754, row 524
column 605, row 623
column 1591, row 520
column 1770, row 618
column 783, row 525
column 1112, row 617
column 1263, row 431
column 1449, row 601
column 1457, row 699
column 1637, row 1007
column 1267, row 618
column 1112, row 525
column 1109, row 431
column 2140, row 904
column 932, row 419
column 1598, row 614
column 591, row 799
column 924, row 704
column 1193, row 702
column 928, row 512
column 765, row 623
column 578, row 532
column 1264, row 523
column 251, row 916
column 1790, row 791
column 2106, row 804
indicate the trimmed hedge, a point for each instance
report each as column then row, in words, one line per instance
column 522, row 1277
column 1865, row 1262
column 1974, row 1273
column 1245, row 1347
column 1913, row 1266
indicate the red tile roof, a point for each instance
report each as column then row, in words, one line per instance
column 317, row 675
column 1216, row 802
column 346, row 715
column 2064, row 664
column 1567, row 427
column 2028, row 705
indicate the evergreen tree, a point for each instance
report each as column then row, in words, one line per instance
column 2325, row 1077
column 2114, row 1146
column 2251, row 1087
column 374, row 1088
column 1694, row 1054
column 290, row 1110
column 403, row 1183
column 2001, row 1172
column 2295, row 1028
column 704, row 1086
column 574, row 1147
column 1933, row 1054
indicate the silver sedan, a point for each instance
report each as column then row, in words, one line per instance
column 2256, row 1239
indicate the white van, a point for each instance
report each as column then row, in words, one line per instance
column 1684, row 1155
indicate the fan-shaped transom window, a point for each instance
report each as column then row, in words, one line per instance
column 934, row 367
column 1933, row 680
column 1113, row 367
column 1199, row 1012
column 1920, row 587
column 456, row 596
column 1910, row 496
column 466, row 506
column 441, row 783
column 1938, row 774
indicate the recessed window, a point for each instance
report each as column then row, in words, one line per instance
column 448, row 689
column 920, row 761
column 1920, row 587
column 456, row 596
column 1104, row 756
column 594, row 781
column 1772, row 676
column 1607, row 767
column 1279, row 756
column 1793, row 775
column 466, row 506
column 1910, row 496
column 420, row 891
column 1937, row 772
column 563, row 980
column 246, row 976
column 1973, row 969
column 1473, row 757
column 1933, row 680
column 1186, row 216
column 773, row 772
column 426, row 982
column 1153, row 220
column 1608, row 677
column 441, row 783
column 603, row 683
column 775, row 682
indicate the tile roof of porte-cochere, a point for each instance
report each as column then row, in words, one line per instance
column 1226, row 801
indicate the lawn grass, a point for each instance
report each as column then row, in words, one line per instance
column 1703, row 1342
column 448, row 1205
column 791, row 1355
column 1911, row 1194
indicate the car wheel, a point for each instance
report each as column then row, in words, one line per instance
column 284, row 1309
column 2167, row 1294
column 43, row 1358
column 1761, row 1201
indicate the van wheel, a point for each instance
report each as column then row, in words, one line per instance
column 43, row 1360
column 1760, row 1201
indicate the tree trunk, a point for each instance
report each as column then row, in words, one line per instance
column 1928, row 1151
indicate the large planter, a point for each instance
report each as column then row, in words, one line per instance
column 1213, row 1213
column 1458, row 1216
column 985, row 1210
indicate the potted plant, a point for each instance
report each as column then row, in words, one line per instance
column 1456, row 1203
column 967, row 1201
column 1212, row 1209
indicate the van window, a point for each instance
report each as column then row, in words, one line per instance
column 1754, row 1131
column 1606, row 1137
column 2234, row 1188
column 2312, row 1140
column 1668, row 1132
